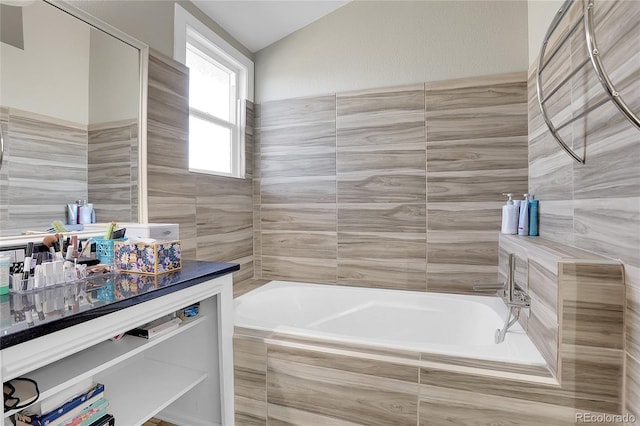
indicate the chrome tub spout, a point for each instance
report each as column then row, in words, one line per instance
column 514, row 311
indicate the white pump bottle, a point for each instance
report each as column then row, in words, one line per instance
column 509, row 217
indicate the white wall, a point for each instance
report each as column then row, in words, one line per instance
column 540, row 15
column 53, row 82
column 114, row 82
column 368, row 44
column 150, row 21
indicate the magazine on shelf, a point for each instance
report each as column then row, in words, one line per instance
column 72, row 407
column 83, row 416
column 156, row 328
column 87, row 416
column 106, row 420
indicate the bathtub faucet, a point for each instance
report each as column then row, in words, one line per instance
column 510, row 291
column 517, row 299
column 514, row 296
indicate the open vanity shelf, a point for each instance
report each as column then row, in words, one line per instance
column 184, row 372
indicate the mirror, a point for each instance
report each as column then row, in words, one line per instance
column 70, row 108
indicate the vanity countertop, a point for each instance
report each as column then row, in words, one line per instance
column 75, row 303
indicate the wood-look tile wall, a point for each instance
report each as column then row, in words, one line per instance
column 113, row 170
column 296, row 190
column 45, row 161
column 476, row 151
column 393, row 188
column 215, row 213
column 381, row 172
column 595, row 206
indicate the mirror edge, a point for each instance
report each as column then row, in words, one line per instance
column 143, row 48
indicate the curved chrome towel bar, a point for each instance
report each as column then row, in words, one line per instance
column 594, row 58
column 1, row 146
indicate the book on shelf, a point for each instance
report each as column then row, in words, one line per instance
column 156, row 328
column 87, row 416
column 64, row 395
column 70, row 408
column 105, row 420
column 83, row 416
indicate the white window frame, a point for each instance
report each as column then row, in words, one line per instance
column 189, row 29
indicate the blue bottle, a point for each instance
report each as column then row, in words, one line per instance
column 533, row 217
column 523, row 220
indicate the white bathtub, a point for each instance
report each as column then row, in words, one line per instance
column 446, row 324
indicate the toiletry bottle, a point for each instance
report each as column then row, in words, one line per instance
column 85, row 212
column 523, row 221
column 72, row 214
column 533, row 217
column 79, row 204
column 517, row 203
column 509, row 217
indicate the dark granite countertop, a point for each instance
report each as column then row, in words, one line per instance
column 65, row 306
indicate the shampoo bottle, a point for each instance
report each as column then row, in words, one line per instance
column 509, row 217
column 533, row 217
column 523, row 221
column 85, row 212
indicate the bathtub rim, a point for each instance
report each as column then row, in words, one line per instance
column 510, row 371
column 492, row 368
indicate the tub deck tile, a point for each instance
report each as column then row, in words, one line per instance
column 441, row 406
column 353, row 397
column 345, row 363
column 633, row 386
column 250, row 377
column 288, row 416
column 496, row 386
column 250, row 412
column 361, row 351
column 497, row 366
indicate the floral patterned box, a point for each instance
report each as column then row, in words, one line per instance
column 143, row 258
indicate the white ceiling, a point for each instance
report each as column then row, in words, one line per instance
column 257, row 24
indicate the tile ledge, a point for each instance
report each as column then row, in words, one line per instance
column 558, row 251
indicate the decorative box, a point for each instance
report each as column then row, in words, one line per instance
column 147, row 258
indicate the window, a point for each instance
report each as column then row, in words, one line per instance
column 219, row 81
column 213, row 115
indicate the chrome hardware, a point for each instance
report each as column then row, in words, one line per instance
column 594, row 57
column 502, row 332
column 516, row 296
column 1, row 146
column 516, row 299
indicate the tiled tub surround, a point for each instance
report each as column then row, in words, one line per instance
column 595, row 206
column 50, row 162
column 214, row 212
column 393, row 188
column 577, row 303
column 113, row 170
column 287, row 379
column 45, row 161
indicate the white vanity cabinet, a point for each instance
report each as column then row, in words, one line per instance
column 184, row 376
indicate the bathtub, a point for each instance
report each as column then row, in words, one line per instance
column 431, row 323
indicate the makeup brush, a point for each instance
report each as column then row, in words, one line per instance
column 50, row 240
